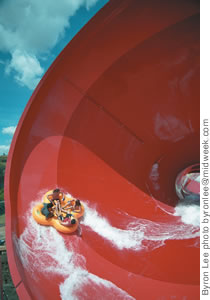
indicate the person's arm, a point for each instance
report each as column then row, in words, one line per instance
column 53, row 209
column 64, row 210
column 68, row 204
column 58, row 208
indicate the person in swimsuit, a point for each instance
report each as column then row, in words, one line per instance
column 56, row 195
column 69, row 220
column 72, row 206
column 55, row 198
column 77, row 206
column 58, row 209
column 47, row 210
column 69, row 205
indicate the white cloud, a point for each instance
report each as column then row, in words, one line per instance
column 32, row 28
column 27, row 68
column 4, row 149
column 90, row 3
column 9, row 130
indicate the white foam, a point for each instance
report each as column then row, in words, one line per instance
column 101, row 288
column 122, row 239
column 138, row 230
column 43, row 249
column 190, row 214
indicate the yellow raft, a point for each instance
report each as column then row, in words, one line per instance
column 62, row 226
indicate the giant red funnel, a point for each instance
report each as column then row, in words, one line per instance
column 113, row 122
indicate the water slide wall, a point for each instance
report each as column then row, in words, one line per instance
column 112, row 122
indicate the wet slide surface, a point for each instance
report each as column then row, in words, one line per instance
column 112, row 122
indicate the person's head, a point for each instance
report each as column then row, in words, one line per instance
column 77, row 203
column 49, row 205
column 73, row 221
column 56, row 191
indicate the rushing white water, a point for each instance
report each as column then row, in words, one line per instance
column 127, row 238
column 40, row 248
column 190, row 214
column 138, row 230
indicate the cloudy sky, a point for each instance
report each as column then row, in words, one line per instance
column 32, row 34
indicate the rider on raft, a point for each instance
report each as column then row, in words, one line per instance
column 47, row 210
column 55, row 206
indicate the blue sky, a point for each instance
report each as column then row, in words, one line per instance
column 32, row 34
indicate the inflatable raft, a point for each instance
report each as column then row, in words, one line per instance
column 65, row 224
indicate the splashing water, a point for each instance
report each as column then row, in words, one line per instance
column 139, row 230
column 120, row 238
column 40, row 247
column 190, row 214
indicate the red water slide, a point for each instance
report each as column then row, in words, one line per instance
column 113, row 122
